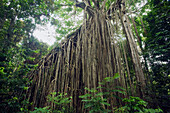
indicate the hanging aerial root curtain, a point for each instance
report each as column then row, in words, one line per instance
column 88, row 55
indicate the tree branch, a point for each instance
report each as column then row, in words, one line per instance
column 85, row 7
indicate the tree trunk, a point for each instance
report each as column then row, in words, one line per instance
column 88, row 55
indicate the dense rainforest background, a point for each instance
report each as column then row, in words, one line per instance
column 21, row 54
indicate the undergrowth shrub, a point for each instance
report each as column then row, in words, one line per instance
column 135, row 105
column 60, row 100
column 96, row 101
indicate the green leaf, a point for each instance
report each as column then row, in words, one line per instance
column 116, row 76
column 89, row 105
column 85, row 96
column 90, row 90
column 102, row 83
column 86, row 100
column 119, row 91
column 99, row 94
column 26, row 88
column 105, row 103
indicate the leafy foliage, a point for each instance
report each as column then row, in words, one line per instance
column 157, row 41
column 66, row 18
column 41, row 110
column 13, row 75
column 157, row 51
column 60, row 100
column 16, row 28
column 20, row 52
column 96, row 101
column 135, row 105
